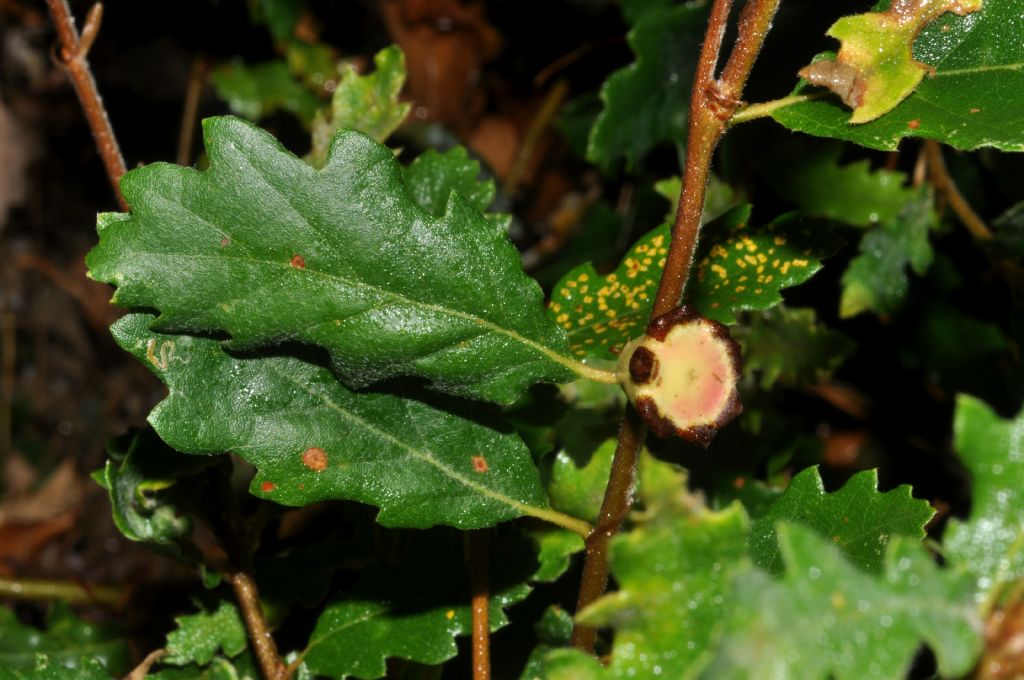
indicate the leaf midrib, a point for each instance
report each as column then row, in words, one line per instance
column 569, row 363
column 424, row 456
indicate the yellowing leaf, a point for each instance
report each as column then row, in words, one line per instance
column 875, row 69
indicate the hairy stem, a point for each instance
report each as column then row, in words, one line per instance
column 256, row 624
column 72, row 57
column 618, row 498
column 478, row 565
column 947, row 187
column 712, row 104
column 63, row 591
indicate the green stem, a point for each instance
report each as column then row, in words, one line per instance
column 64, row 591
column 712, row 104
column 557, row 518
column 764, row 109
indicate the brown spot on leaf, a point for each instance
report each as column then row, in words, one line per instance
column 480, row 464
column 315, row 459
column 914, row 124
column 267, row 487
column 298, row 261
column 225, row 242
column 975, row 110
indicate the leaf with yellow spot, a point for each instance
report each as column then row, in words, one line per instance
column 737, row 268
column 602, row 313
column 744, row 268
column 875, row 69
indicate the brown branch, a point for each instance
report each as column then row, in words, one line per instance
column 947, row 187
column 478, row 565
column 72, row 58
column 252, row 612
column 196, row 81
column 618, row 498
column 711, row 106
column 142, row 670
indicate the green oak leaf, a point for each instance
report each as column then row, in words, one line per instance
column 988, row 544
column 579, row 489
column 858, row 519
column 854, row 193
column 674, row 577
column 259, row 90
column 242, row 667
column 790, row 347
column 972, row 97
column 875, row 70
column 665, row 39
column 412, row 611
column 434, row 175
column 199, row 637
column 744, row 268
column 153, row 491
column 366, row 103
column 554, row 626
column 422, row 462
column 737, row 268
column 825, row 618
column 269, row 250
column 876, row 280
column 68, row 645
column 554, row 548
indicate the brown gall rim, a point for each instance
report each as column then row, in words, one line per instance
column 662, row 427
column 658, row 328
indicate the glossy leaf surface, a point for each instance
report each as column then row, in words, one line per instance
column 265, row 248
column 411, row 611
column 665, row 39
column 738, row 268
column 421, row 462
column 975, row 97
column 857, row 518
column 199, row 637
column 874, row 69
